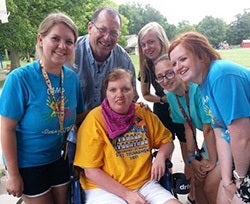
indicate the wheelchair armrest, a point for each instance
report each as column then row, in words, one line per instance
column 168, row 163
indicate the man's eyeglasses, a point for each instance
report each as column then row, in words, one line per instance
column 104, row 31
column 168, row 75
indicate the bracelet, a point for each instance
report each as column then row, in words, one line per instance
column 237, row 177
column 189, row 159
column 225, row 186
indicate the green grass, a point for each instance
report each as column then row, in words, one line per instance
column 237, row 55
column 135, row 60
column 1, row 83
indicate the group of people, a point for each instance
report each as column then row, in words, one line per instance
column 76, row 104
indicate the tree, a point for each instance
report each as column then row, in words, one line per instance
column 239, row 29
column 139, row 15
column 16, row 35
column 19, row 35
column 213, row 28
column 184, row 26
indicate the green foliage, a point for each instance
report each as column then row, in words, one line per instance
column 184, row 26
column 124, row 30
column 2, row 173
column 214, row 29
column 240, row 29
column 139, row 15
column 19, row 35
column 1, row 83
column 135, row 60
column 237, row 55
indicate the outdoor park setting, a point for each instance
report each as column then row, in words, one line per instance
column 20, row 47
column 229, row 36
column 236, row 54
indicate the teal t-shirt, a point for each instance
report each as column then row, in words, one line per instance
column 226, row 94
column 25, row 98
column 197, row 112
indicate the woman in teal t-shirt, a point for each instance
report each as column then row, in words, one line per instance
column 187, row 108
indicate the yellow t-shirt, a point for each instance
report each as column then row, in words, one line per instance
column 127, row 158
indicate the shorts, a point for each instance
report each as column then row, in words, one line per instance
column 163, row 113
column 40, row 179
column 152, row 191
column 243, row 192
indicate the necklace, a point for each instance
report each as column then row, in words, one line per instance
column 188, row 118
column 59, row 106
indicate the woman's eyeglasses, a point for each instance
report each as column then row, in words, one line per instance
column 168, row 75
column 104, row 31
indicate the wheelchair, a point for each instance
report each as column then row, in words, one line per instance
column 175, row 183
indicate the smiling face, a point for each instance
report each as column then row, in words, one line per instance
column 120, row 94
column 57, row 46
column 151, row 46
column 186, row 65
column 170, row 81
column 101, row 35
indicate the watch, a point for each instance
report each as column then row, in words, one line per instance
column 237, row 177
column 161, row 101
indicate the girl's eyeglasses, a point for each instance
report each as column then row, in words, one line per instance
column 168, row 75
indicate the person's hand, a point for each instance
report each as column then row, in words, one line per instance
column 14, row 185
column 199, row 173
column 134, row 197
column 158, row 169
column 144, row 105
column 230, row 190
column 207, row 165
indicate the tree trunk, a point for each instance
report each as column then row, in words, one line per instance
column 14, row 59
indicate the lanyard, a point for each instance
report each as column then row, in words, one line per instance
column 188, row 119
column 59, row 105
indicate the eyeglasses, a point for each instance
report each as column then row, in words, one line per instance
column 104, row 31
column 168, row 75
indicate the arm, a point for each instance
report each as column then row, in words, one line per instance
column 14, row 183
column 158, row 167
column 225, row 159
column 195, row 164
column 104, row 181
column 225, row 156
column 240, row 144
column 80, row 118
column 145, row 90
column 210, row 142
column 190, row 140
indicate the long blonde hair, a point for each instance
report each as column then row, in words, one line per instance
column 162, row 37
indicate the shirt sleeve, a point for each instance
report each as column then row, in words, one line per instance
column 230, row 98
